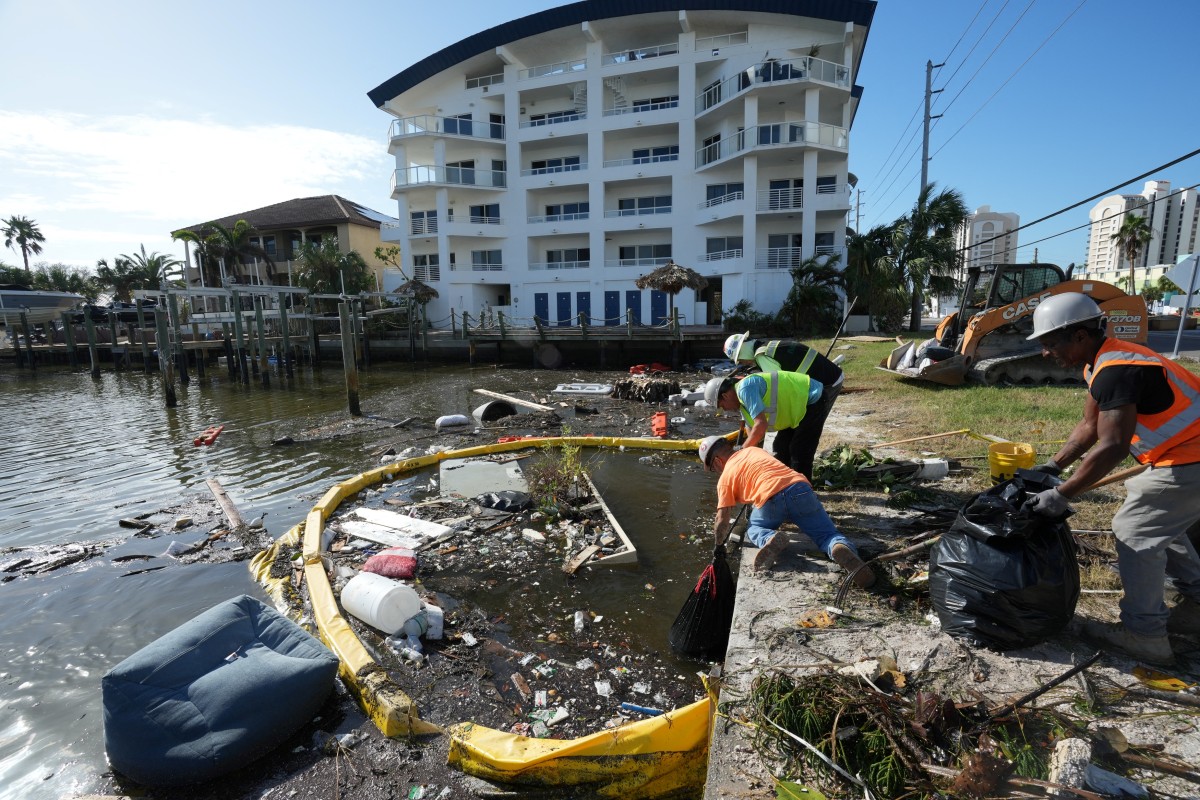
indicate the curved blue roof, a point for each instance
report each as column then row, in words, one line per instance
column 860, row 12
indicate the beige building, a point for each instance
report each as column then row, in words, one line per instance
column 978, row 242
column 283, row 228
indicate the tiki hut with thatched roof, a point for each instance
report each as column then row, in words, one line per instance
column 672, row 278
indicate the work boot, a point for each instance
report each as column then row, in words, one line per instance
column 1185, row 618
column 848, row 560
column 1114, row 636
column 770, row 552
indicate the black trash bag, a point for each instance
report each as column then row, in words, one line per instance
column 702, row 628
column 505, row 501
column 1003, row 576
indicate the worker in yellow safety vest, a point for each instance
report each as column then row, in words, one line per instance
column 773, row 401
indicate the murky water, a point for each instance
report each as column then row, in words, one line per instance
column 77, row 455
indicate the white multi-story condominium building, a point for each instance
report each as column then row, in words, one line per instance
column 543, row 165
column 988, row 237
column 1174, row 221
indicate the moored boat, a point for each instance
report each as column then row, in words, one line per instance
column 37, row 306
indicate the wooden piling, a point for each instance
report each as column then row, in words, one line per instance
column 180, row 357
column 350, row 367
column 235, row 303
column 287, row 338
column 112, row 333
column 165, row 362
column 315, row 347
column 259, row 302
column 141, row 323
column 69, row 339
column 90, row 328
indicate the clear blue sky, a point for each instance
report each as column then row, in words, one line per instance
column 121, row 121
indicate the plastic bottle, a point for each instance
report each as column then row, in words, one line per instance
column 416, row 625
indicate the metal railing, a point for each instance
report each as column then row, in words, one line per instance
column 724, row 40
column 485, row 80
column 559, row 68
column 636, row 262
column 424, row 225
column 425, row 124
column 636, row 109
column 628, row 162
column 537, row 123
column 636, row 212
column 458, row 176
column 780, row 199
column 639, row 54
column 804, row 68
column 559, row 217
column 723, row 255
column 476, row 267
column 525, row 173
column 778, row 258
column 777, row 134
column 725, row 198
column 553, row 265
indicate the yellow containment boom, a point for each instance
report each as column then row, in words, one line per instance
column 661, row 756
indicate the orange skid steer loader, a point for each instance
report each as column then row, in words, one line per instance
column 985, row 340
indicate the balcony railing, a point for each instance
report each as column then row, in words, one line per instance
column 780, row 199
column 627, row 162
column 724, row 40
column 790, row 257
column 553, row 265
column 560, row 68
column 636, row 262
column 550, row 170
column 776, row 134
column 559, row 217
column 804, row 68
column 427, row 124
column 484, row 81
column 476, row 267
column 638, row 108
column 636, row 212
column 725, row 198
column 425, row 225
column 474, row 220
column 456, row 176
column 537, row 123
column 639, row 54
column 723, row 255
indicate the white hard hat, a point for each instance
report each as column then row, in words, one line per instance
column 733, row 345
column 706, row 444
column 712, row 390
column 1062, row 311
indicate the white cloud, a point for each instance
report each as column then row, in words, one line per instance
column 99, row 179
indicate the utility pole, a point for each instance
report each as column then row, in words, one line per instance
column 929, row 93
column 857, row 209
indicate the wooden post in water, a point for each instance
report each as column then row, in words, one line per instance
column 424, row 333
column 165, row 362
column 227, row 335
column 201, row 353
column 315, row 357
column 348, row 364
column 112, row 333
column 69, row 338
column 90, row 327
column 264, row 365
column 235, row 302
column 180, row 354
column 286, row 355
column 28, row 341
column 141, row 323
column 366, row 340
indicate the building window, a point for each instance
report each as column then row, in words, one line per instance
column 569, row 255
column 427, row 268
column 562, row 164
column 423, row 222
column 711, row 94
column 460, row 124
column 561, row 211
column 644, row 253
column 489, row 213
column 634, row 206
column 723, row 247
column 462, row 172
column 486, row 260
column 711, row 149
column 651, row 103
column 715, row 191
column 649, row 155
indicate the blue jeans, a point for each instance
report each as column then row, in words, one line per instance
column 797, row 504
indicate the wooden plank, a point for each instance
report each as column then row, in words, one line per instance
column 231, row 512
column 628, row 553
column 410, row 526
column 578, row 561
column 514, row 400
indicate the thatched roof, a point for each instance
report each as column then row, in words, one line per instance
column 672, row 278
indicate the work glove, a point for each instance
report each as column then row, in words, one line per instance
column 1050, row 503
column 1050, row 467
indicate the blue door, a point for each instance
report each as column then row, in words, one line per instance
column 564, row 309
column 541, row 306
column 633, row 301
column 612, row 308
column 658, row 306
column 583, row 306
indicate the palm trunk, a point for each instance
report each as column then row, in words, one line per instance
column 914, row 320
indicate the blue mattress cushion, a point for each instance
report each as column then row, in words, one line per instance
column 214, row 694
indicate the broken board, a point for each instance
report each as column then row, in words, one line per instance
column 392, row 529
column 580, row 558
column 465, row 477
column 626, row 553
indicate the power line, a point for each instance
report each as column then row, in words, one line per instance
column 1003, row 39
column 963, row 35
column 1097, row 196
column 965, row 58
column 1010, row 77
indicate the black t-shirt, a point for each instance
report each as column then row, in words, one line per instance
column 790, row 354
column 1145, row 387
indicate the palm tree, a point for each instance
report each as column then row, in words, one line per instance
column 324, row 269
column 1132, row 237
column 156, row 268
column 923, row 246
column 204, row 247
column 24, row 233
column 871, row 276
column 122, row 277
column 235, row 245
column 810, row 303
column 61, row 278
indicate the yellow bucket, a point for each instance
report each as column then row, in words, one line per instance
column 1005, row 458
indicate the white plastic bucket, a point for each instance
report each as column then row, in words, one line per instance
column 380, row 602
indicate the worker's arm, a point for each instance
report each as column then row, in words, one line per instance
column 1113, row 431
column 758, row 432
column 1082, row 437
column 722, row 526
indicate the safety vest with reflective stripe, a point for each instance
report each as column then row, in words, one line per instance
column 768, row 361
column 1168, row 437
column 785, row 400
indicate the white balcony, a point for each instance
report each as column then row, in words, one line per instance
column 559, row 68
column 789, row 199
column 635, row 212
column 723, row 255
column 724, row 40
column 640, row 263
column 526, row 173
column 572, row 117
column 774, row 73
column 639, row 54
column 778, row 258
column 476, row 267
column 428, row 174
column 429, row 125
column 558, row 217
column 773, row 136
column 640, row 107
column 732, row 197
column 484, row 81
column 556, row 265
column 630, row 162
